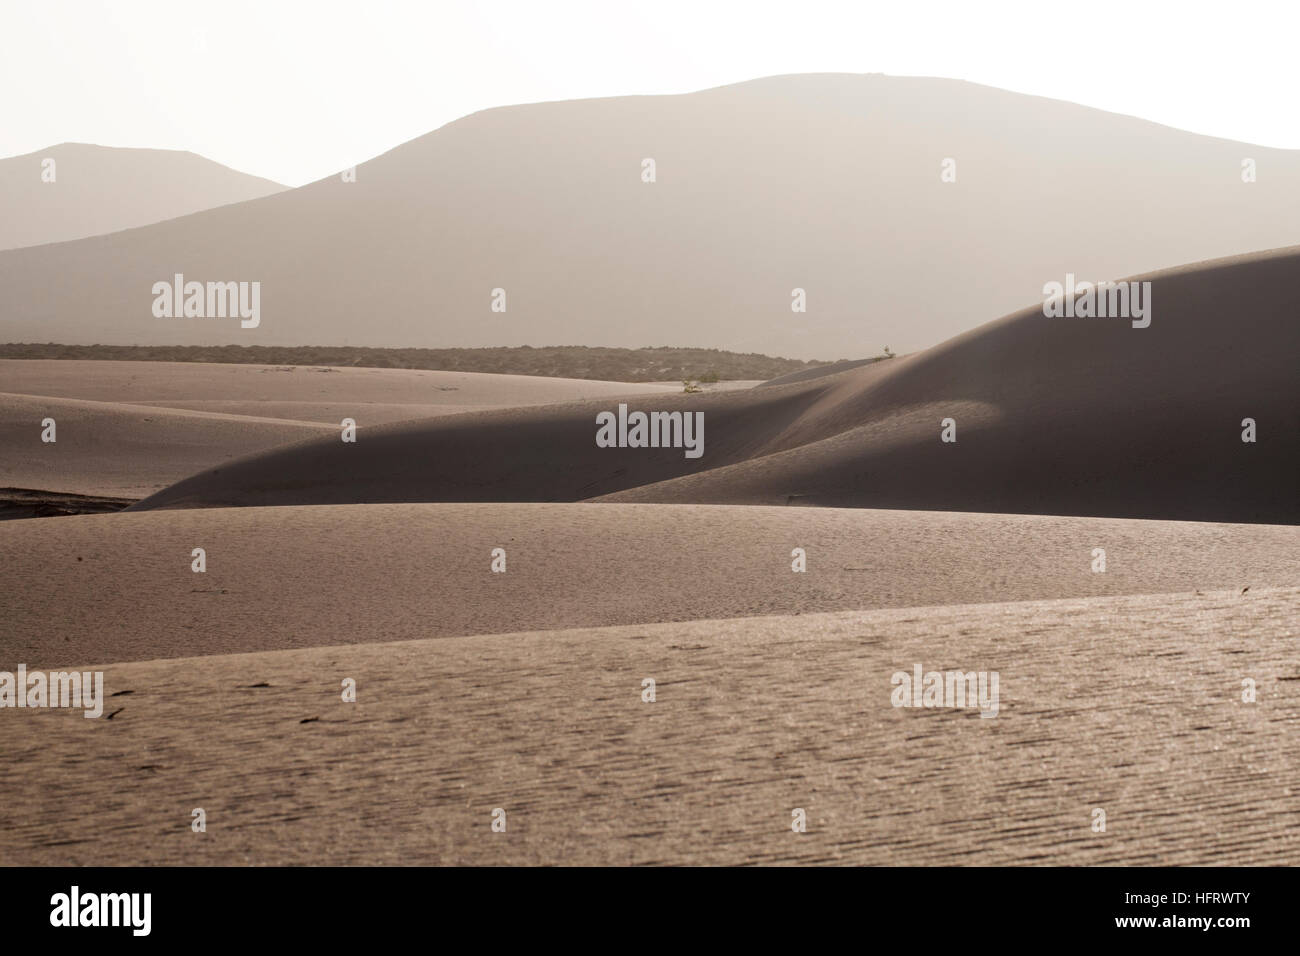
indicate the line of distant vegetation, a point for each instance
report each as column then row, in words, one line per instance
column 560, row 361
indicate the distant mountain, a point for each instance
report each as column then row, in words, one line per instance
column 76, row 190
column 827, row 183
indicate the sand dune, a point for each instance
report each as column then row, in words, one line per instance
column 120, row 587
column 103, row 189
column 1128, row 704
column 820, row 371
column 331, row 413
column 1053, row 416
column 1071, row 416
column 761, row 188
column 132, row 428
column 122, row 450
column 542, row 453
column 373, row 560
column 161, row 383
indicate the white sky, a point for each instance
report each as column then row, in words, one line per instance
column 296, row 91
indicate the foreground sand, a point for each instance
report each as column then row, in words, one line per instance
column 107, row 588
column 1129, row 704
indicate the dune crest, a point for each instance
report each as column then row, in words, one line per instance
column 292, row 577
column 1083, row 416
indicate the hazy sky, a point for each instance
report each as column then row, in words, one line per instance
column 296, row 91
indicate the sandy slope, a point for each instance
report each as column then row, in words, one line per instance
column 120, row 587
column 1053, row 416
column 1129, row 704
column 1075, row 416
column 123, row 450
column 761, row 187
column 331, row 413
column 187, row 384
column 102, row 189
column 129, row 429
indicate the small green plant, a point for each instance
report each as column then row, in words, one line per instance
column 688, row 386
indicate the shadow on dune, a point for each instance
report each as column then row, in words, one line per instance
column 1078, row 416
